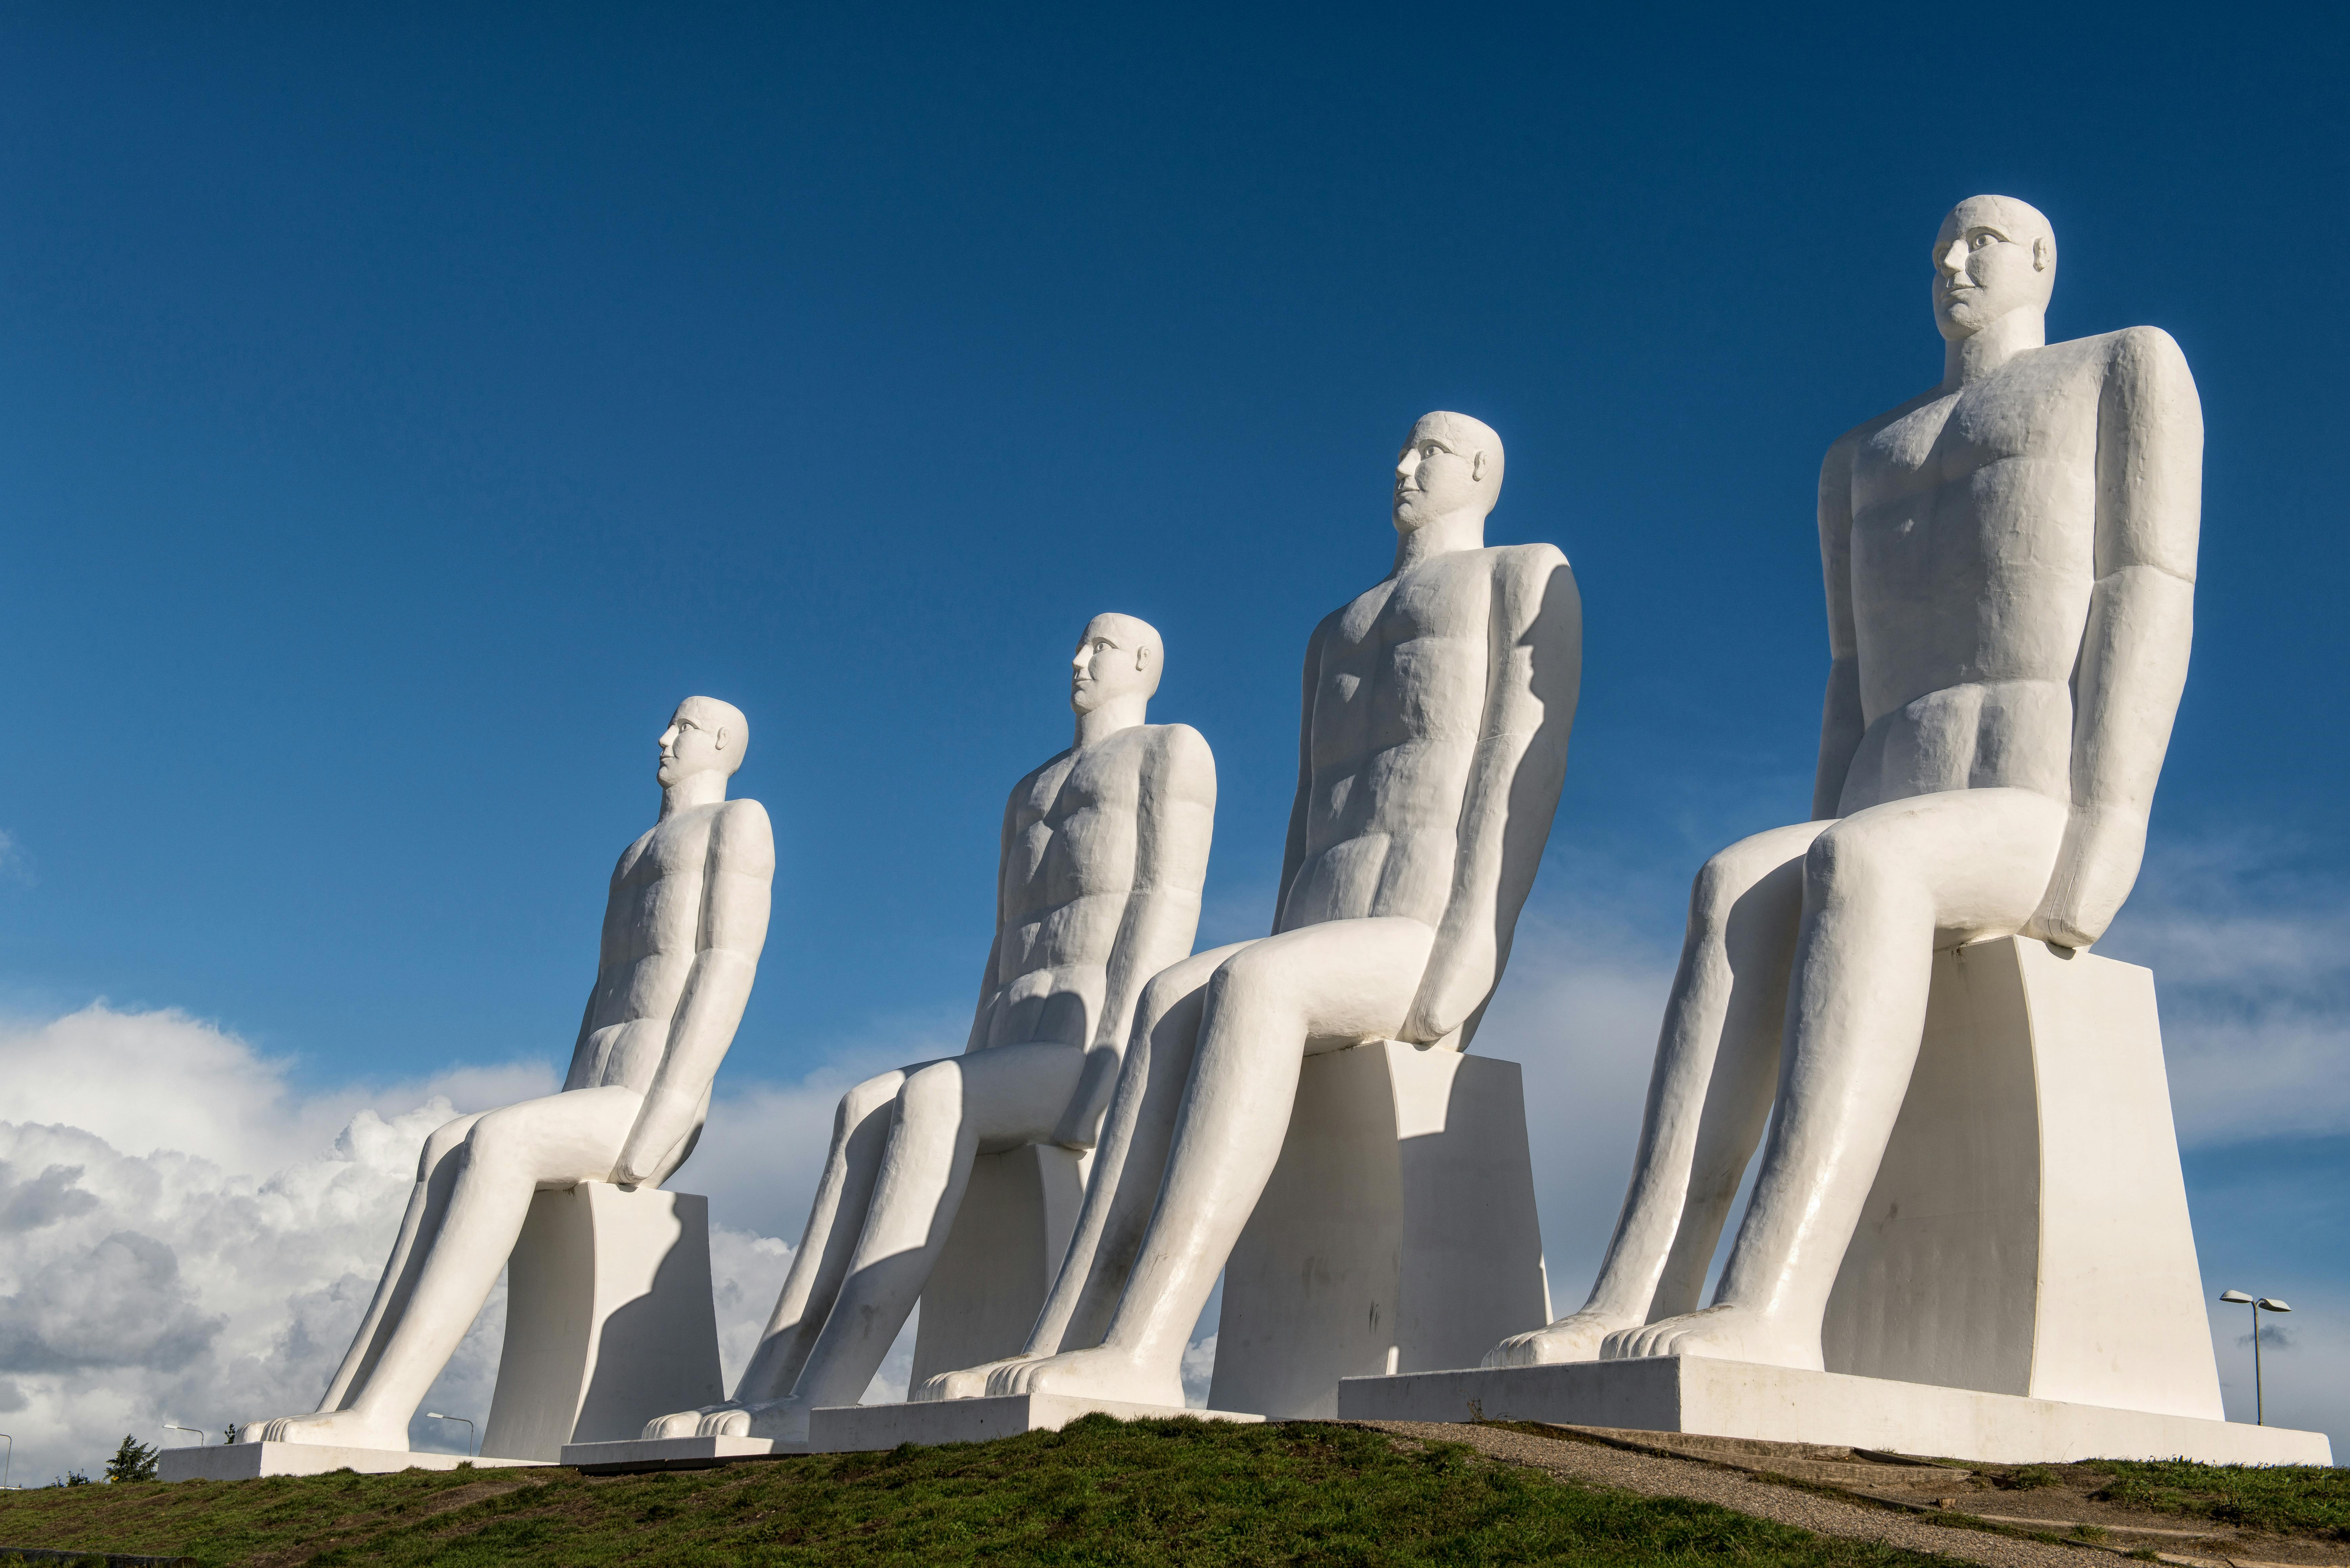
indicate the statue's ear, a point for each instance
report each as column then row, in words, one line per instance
column 718, row 738
column 1142, row 657
column 2039, row 255
column 1477, row 466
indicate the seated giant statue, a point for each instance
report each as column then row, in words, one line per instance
column 1103, row 851
column 2010, row 562
column 683, row 930
column 1432, row 747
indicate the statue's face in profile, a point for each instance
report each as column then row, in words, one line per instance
column 1110, row 663
column 689, row 746
column 1988, row 261
column 1432, row 479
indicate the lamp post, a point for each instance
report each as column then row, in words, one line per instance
column 437, row 1416
column 2265, row 1303
column 175, row 1427
column 7, row 1462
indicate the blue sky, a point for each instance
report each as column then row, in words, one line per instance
column 400, row 412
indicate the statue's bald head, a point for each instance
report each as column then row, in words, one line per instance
column 1117, row 656
column 704, row 736
column 1449, row 462
column 1993, row 255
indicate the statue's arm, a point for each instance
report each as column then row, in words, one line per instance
column 736, row 884
column 989, row 985
column 1535, row 675
column 1842, row 722
column 2133, row 663
column 1292, row 854
column 1175, row 818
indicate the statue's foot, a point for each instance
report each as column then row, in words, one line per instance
column 783, row 1420
column 684, row 1423
column 1097, row 1374
column 971, row 1383
column 337, row 1429
column 1575, row 1338
column 1723, row 1333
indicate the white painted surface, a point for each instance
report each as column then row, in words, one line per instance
column 1432, row 742
column 856, row 1428
column 1397, row 1232
column 2028, row 1231
column 245, row 1461
column 2009, row 560
column 609, row 1319
column 678, row 1453
column 1103, row 854
column 684, row 928
column 1787, row 1404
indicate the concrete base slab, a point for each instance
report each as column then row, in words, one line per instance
column 243, row 1461
column 1781, row 1404
column 851, row 1428
column 672, row 1453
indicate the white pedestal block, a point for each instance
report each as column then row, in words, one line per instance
column 609, row 1320
column 998, row 1263
column 1780, row 1404
column 850, row 1429
column 672, row 1453
column 243, row 1461
column 2028, row 1231
column 1397, row 1232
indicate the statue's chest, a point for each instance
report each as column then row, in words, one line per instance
column 2038, row 412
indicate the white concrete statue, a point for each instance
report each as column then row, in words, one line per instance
column 2010, row 560
column 1105, row 849
column 1431, row 748
column 683, row 931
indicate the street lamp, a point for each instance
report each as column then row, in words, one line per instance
column 2266, row 1304
column 175, row 1427
column 437, row 1416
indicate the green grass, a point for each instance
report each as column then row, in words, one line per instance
column 1195, row 1493
column 2289, row 1499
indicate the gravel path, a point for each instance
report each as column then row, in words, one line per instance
column 1787, row 1505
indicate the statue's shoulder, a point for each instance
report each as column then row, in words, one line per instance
column 1841, row 449
column 1526, row 561
column 2145, row 354
column 741, row 834
column 1179, row 749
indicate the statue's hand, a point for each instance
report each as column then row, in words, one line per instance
column 2096, row 869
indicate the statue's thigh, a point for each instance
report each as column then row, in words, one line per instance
column 572, row 1137
column 1341, row 981
column 1014, row 1094
column 1980, row 857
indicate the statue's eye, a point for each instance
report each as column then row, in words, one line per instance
column 1977, row 241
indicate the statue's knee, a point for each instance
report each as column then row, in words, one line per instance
column 932, row 1091
column 868, row 1098
column 1853, row 855
column 1250, row 980
column 447, row 1136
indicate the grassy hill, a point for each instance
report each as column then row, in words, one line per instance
column 1200, row 1494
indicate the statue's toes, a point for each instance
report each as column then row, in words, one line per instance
column 726, row 1424
column 681, row 1425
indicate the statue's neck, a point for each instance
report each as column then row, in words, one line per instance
column 1972, row 358
column 1439, row 536
column 694, row 789
column 1118, row 714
